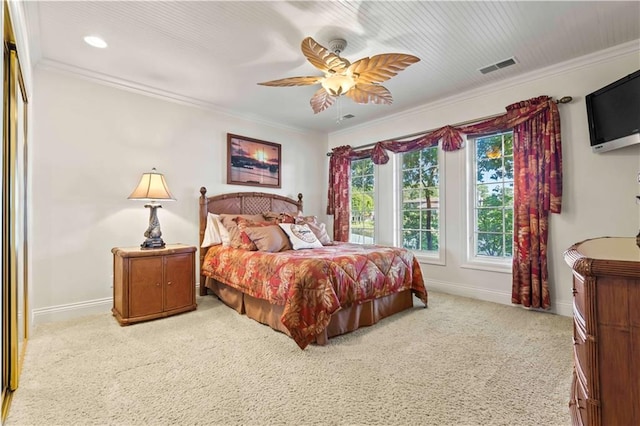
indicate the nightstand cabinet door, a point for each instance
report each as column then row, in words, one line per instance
column 179, row 290
column 150, row 284
column 145, row 286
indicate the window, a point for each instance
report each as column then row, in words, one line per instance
column 491, row 198
column 362, row 224
column 420, row 201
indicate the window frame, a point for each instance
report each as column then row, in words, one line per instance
column 436, row 257
column 472, row 260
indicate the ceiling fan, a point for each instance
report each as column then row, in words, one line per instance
column 358, row 81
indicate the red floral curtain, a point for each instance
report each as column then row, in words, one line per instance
column 537, row 189
column 537, row 157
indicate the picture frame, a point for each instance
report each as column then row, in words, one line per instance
column 253, row 162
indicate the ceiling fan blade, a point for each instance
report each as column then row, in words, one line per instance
column 293, row 81
column 321, row 100
column 322, row 58
column 374, row 93
column 379, row 68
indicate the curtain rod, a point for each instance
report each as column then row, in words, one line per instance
column 562, row 100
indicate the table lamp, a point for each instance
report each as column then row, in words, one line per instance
column 152, row 188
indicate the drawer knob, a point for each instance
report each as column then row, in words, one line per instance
column 157, row 284
column 169, row 283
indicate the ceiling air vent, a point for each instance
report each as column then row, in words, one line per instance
column 498, row 65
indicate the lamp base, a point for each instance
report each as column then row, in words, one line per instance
column 153, row 233
column 152, row 243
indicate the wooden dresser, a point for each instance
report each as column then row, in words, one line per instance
column 606, row 332
column 153, row 283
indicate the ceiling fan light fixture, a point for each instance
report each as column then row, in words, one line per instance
column 338, row 84
column 341, row 76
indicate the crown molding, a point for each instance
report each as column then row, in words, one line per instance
column 606, row 55
column 154, row 92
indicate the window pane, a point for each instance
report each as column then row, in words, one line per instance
column 508, row 249
column 411, row 219
column 411, row 240
column 411, row 178
column 356, row 183
column 489, row 195
column 490, row 220
column 508, row 143
column 429, row 241
column 508, row 168
column 430, row 219
column 489, row 244
column 508, row 194
column 489, row 171
column 508, row 220
column 410, row 160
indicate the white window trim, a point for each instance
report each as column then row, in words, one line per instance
column 471, row 261
column 434, row 258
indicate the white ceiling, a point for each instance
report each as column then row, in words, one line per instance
column 212, row 53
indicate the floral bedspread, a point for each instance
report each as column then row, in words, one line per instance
column 312, row 284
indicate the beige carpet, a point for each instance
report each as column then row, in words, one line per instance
column 459, row 362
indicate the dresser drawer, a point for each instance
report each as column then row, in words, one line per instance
column 579, row 296
column 582, row 347
column 577, row 403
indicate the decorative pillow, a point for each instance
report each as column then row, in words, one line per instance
column 269, row 238
column 301, row 236
column 230, row 224
column 283, row 217
column 211, row 233
column 318, row 229
column 245, row 242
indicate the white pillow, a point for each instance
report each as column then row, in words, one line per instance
column 301, row 236
column 212, row 235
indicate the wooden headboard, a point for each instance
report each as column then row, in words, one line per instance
column 242, row 203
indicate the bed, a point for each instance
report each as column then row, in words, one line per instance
column 313, row 294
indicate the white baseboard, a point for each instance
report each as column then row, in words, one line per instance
column 504, row 298
column 74, row 310
column 71, row 310
column 101, row 306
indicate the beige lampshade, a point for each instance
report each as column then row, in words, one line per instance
column 152, row 186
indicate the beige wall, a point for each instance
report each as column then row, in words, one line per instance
column 91, row 142
column 599, row 189
column 90, row 145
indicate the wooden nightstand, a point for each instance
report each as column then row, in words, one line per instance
column 153, row 283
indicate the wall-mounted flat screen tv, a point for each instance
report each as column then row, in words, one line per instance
column 614, row 114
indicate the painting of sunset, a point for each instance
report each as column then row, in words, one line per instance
column 252, row 162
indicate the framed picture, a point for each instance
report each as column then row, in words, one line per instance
column 252, row 162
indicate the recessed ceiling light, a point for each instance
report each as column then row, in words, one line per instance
column 95, row 41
